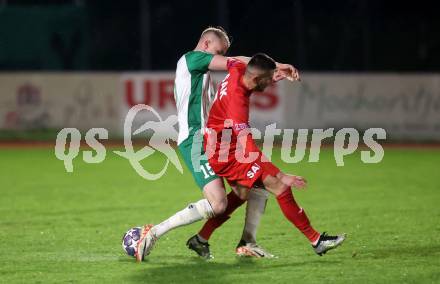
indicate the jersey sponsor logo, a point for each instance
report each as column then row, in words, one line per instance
column 240, row 126
column 254, row 169
column 223, row 87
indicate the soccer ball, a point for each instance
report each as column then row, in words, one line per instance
column 130, row 240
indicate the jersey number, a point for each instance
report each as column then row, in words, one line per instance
column 207, row 171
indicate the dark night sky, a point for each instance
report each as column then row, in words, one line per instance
column 346, row 35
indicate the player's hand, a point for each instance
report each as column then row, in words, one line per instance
column 291, row 180
column 278, row 76
column 286, row 71
column 299, row 182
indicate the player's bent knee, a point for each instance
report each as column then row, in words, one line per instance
column 219, row 207
column 242, row 192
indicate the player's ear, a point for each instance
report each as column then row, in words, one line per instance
column 206, row 43
column 255, row 79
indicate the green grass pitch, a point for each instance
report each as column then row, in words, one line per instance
column 67, row 227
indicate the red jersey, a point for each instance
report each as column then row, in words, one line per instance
column 229, row 115
column 230, row 109
column 231, row 101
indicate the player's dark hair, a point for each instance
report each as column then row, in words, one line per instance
column 262, row 62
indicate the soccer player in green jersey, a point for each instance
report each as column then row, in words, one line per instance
column 193, row 93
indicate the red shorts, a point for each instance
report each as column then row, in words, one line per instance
column 246, row 174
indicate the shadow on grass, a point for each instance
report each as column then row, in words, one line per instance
column 196, row 270
column 401, row 252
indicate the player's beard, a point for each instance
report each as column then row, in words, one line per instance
column 260, row 88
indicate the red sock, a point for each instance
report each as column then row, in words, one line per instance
column 296, row 215
column 233, row 203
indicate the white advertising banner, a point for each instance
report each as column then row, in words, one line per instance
column 57, row 100
column 153, row 89
column 406, row 106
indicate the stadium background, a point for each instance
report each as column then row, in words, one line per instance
column 83, row 64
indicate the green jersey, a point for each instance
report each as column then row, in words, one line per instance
column 193, row 92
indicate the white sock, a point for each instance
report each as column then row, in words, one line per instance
column 256, row 205
column 192, row 213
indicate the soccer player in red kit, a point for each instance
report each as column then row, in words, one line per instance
column 232, row 153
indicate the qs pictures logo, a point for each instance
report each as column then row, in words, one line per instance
column 163, row 132
column 345, row 143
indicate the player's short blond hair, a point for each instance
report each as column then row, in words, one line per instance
column 218, row 31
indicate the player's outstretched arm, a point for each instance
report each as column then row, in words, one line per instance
column 284, row 71
column 220, row 62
